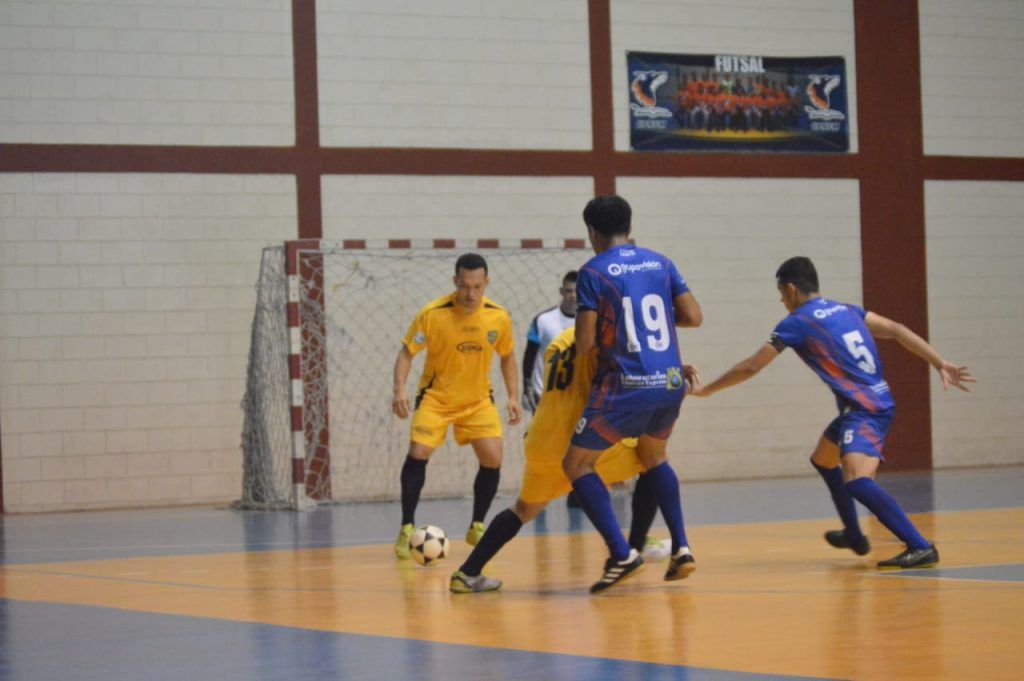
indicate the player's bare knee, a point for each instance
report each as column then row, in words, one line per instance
column 856, row 465
column 419, row 451
column 573, row 467
column 526, row 511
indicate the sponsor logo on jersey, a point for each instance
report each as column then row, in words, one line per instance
column 469, row 346
column 674, row 378
column 635, row 382
column 419, row 338
column 471, row 329
column 829, row 311
column 615, row 269
column 492, row 337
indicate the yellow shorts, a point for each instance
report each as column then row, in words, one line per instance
column 544, row 480
column 472, row 422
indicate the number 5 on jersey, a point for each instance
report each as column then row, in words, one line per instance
column 855, row 344
column 652, row 310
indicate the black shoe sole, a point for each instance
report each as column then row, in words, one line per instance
column 837, row 539
column 929, row 560
column 601, row 587
column 682, row 572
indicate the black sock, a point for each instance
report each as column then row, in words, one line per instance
column 484, row 488
column 414, row 474
column 645, row 508
column 502, row 529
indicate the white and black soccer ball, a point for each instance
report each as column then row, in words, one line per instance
column 428, row 545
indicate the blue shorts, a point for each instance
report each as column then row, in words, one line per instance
column 599, row 429
column 860, row 431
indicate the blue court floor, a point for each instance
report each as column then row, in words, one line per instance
column 45, row 635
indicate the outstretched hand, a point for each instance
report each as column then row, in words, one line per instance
column 955, row 376
column 692, row 378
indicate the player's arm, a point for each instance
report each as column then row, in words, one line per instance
column 510, row 373
column 399, row 393
column 529, row 359
column 883, row 327
column 688, row 312
column 741, row 371
column 586, row 331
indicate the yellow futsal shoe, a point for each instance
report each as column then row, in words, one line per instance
column 473, row 534
column 402, row 543
column 461, row 583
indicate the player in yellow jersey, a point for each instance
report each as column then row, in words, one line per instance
column 567, row 383
column 460, row 332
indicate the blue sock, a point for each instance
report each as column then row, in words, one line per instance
column 666, row 488
column 833, row 477
column 597, row 504
column 879, row 502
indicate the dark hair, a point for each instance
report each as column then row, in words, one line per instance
column 470, row 261
column 608, row 215
column 570, row 277
column 799, row 272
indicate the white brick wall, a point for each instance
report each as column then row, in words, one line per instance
column 971, row 81
column 454, row 73
column 728, row 237
column 175, row 72
column 125, row 304
column 423, row 207
column 771, row 28
column 975, row 308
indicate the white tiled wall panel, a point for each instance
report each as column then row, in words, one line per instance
column 770, row 28
column 125, row 305
column 975, row 307
column 422, row 207
column 169, row 72
column 972, row 85
column 728, row 237
column 454, row 73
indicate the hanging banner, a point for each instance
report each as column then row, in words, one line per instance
column 737, row 103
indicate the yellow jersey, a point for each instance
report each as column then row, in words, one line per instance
column 567, row 379
column 459, row 348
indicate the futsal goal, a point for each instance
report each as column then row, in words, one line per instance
column 328, row 324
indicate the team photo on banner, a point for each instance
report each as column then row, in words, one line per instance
column 737, row 103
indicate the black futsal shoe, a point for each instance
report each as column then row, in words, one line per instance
column 911, row 558
column 618, row 571
column 837, row 538
column 680, row 565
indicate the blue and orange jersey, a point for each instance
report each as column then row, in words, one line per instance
column 833, row 339
column 638, row 365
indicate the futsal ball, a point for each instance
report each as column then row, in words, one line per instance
column 428, row 545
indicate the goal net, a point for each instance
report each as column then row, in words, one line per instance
column 328, row 324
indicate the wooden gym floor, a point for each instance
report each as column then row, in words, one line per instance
column 219, row 594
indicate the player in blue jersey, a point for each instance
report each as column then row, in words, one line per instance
column 629, row 301
column 837, row 341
